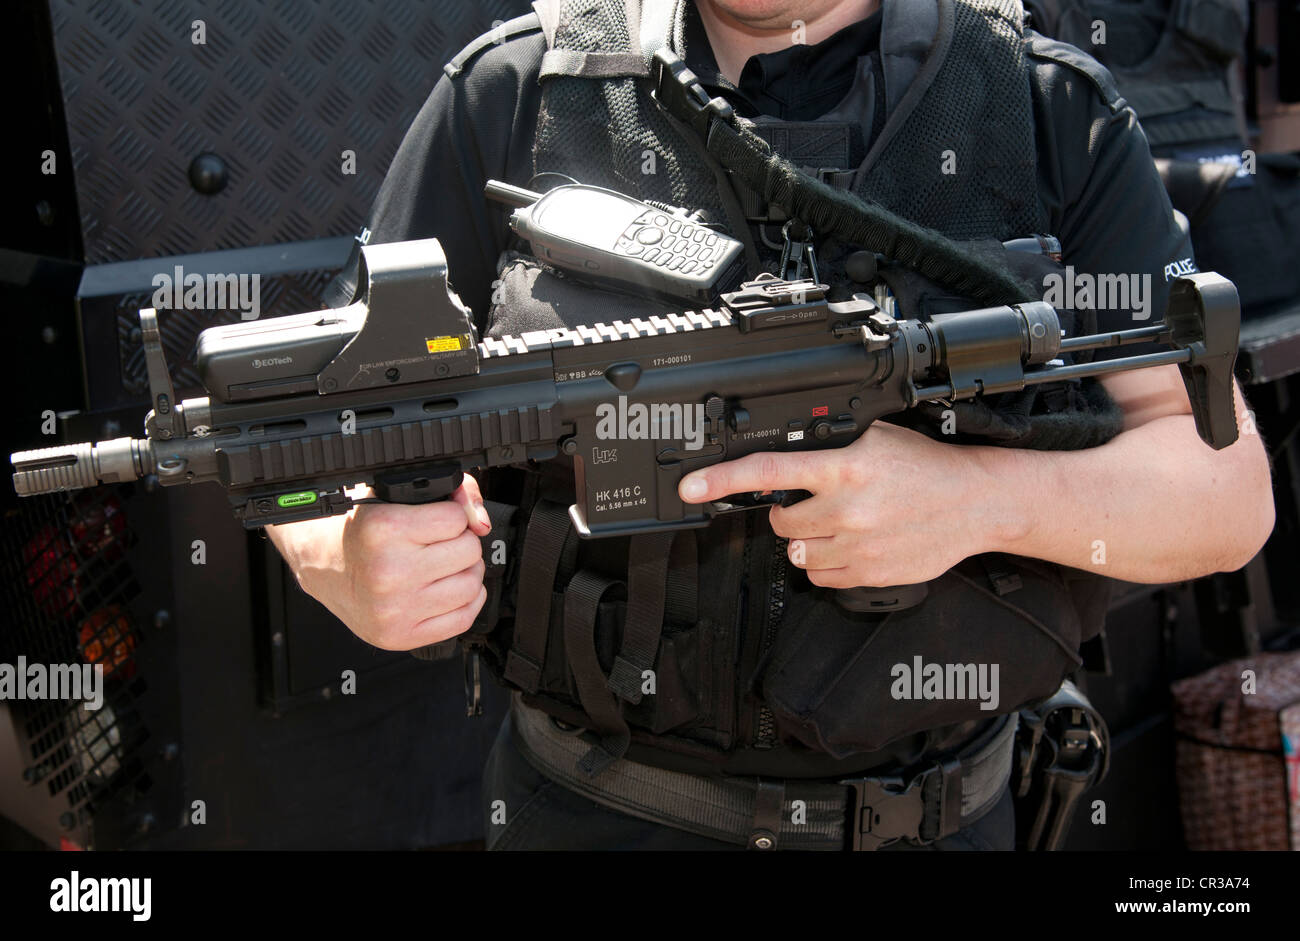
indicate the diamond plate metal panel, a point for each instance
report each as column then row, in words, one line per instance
column 278, row 90
column 280, row 294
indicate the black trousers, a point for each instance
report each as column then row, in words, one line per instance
column 525, row 810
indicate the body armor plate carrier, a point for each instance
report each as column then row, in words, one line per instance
column 1173, row 61
column 707, row 651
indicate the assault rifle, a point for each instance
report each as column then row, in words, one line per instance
column 398, row 391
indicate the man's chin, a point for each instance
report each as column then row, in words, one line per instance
column 770, row 14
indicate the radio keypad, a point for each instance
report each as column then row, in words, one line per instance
column 669, row 243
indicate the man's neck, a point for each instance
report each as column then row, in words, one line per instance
column 734, row 38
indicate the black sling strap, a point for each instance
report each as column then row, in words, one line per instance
column 827, row 210
column 681, row 604
column 662, row 584
column 581, row 603
column 647, row 577
column 662, row 579
column 548, row 527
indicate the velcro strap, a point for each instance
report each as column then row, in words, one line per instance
column 543, row 547
column 647, row 578
column 581, row 605
column 570, row 62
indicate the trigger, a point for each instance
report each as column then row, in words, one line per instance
column 754, row 500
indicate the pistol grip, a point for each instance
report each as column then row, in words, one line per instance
column 424, row 483
column 881, row 600
column 413, row 486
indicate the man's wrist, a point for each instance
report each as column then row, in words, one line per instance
column 1009, row 486
column 281, row 538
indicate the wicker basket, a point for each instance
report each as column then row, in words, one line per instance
column 1232, row 777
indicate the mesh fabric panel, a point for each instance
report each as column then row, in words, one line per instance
column 979, row 108
column 609, row 133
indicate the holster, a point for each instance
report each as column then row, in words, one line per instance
column 1062, row 750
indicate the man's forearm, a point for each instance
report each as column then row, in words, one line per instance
column 1153, row 505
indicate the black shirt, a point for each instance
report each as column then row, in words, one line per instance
column 800, row 83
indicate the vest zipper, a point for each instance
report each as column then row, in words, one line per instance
column 766, row 735
column 743, row 714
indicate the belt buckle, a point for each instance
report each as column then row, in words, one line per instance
column 885, row 809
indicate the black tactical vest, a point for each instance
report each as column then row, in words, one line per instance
column 598, row 118
column 1172, row 60
column 755, row 670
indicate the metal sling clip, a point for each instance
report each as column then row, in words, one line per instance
column 798, row 255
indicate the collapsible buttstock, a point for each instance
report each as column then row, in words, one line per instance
column 1204, row 315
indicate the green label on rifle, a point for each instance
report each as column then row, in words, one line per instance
column 297, row 499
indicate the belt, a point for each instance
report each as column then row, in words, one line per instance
column 861, row 813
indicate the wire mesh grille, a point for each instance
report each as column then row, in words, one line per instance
column 67, row 585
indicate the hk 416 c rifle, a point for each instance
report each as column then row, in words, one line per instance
column 397, row 391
